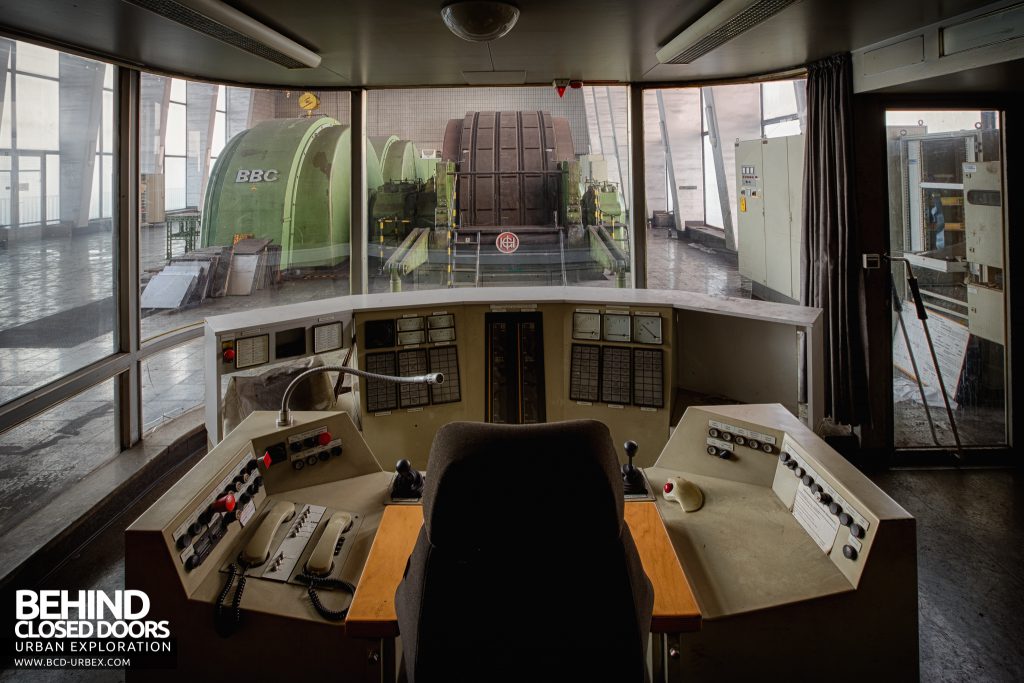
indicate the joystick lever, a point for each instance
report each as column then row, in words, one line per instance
column 632, row 480
column 408, row 482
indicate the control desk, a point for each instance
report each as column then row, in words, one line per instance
column 786, row 547
column 632, row 359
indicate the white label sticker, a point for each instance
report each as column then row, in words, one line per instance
column 724, row 445
column 815, row 519
column 247, row 513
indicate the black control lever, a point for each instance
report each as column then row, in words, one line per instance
column 633, row 483
column 408, row 482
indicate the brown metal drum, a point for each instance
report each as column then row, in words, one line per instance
column 508, row 170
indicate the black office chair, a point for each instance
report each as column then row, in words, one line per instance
column 524, row 568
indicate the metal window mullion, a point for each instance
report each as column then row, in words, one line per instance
column 42, row 399
column 637, row 173
column 358, row 234
column 128, row 392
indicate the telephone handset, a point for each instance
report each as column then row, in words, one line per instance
column 257, row 550
column 321, row 559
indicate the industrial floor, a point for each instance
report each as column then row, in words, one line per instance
column 970, row 551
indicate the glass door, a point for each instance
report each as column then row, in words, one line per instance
column 947, row 256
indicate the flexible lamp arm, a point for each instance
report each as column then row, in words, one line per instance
column 284, row 417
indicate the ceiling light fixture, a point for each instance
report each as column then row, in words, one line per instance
column 480, row 21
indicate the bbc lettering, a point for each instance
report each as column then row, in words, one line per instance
column 256, row 175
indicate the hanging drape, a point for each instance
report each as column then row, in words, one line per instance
column 831, row 274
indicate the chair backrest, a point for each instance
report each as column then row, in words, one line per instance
column 524, row 566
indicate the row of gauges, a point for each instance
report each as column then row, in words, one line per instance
column 642, row 328
column 410, row 330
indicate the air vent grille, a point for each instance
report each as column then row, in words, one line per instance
column 194, row 20
column 740, row 23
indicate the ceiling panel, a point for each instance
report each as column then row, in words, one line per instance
column 403, row 42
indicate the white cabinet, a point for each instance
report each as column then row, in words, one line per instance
column 769, row 175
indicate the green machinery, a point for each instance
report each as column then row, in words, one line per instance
column 437, row 219
column 286, row 180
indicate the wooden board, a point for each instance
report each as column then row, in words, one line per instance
column 372, row 614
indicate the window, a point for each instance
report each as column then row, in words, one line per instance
column 221, row 232
column 498, row 186
column 56, row 209
column 711, row 229
column 948, row 229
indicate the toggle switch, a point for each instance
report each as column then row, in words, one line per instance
column 224, row 503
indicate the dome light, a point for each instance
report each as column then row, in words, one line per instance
column 480, row 21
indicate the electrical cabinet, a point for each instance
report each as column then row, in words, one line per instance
column 983, row 213
column 769, row 216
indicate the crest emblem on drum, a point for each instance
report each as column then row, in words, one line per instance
column 507, row 242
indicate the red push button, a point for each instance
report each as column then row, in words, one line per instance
column 668, row 487
column 224, row 503
column 324, row 438
column 229, row 355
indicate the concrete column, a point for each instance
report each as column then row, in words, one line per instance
column 5, row 59
column 81, row 114
column 154, row 100
column 200, row 113
column 239, row 111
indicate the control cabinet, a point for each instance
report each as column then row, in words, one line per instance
column 769, row 216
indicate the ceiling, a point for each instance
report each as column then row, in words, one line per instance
column 403, row 42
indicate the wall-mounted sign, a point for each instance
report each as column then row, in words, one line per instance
column 256, row 175
column 507, row 242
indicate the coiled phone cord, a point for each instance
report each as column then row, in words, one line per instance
column 225, row 626
column 317, row 582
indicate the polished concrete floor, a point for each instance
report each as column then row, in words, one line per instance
column 970, row 554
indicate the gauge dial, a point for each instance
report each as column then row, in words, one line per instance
column 617, row 327
column 309, row 101
column 647, row 329
column 586, row 325
column 413, row 337
column 441, row 334
column 406, row 324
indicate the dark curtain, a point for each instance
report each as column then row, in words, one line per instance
column 832, row 277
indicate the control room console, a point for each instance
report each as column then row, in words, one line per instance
column 785, row 548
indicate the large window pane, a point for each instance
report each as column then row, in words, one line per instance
column 56, row 280
column 947, row 219
column 724, row 178
column 498, row 186
column 41, row 458
column 172, row 384
column 254, row 209
column 37, row 117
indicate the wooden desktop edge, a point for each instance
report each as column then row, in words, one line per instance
column 372, row 614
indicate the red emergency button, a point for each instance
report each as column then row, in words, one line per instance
column 668, row 487
column 224, row 503
column 324, row 438
column 228, row 355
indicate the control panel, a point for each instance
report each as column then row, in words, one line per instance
column 778, row 533
column 828, row 516
column 611, row 373
column 234, row 497
column 264, row 541
column 724, row 438
column 412, row 344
